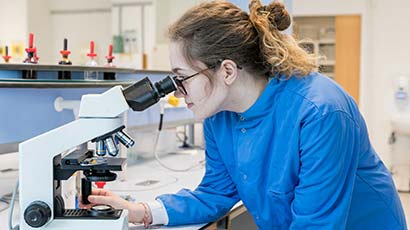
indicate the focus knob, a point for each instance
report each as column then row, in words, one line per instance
column 37, row 214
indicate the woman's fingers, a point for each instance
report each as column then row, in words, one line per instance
column 98, row 199
column 100, row 192
column 101, row 196
column 85, row 206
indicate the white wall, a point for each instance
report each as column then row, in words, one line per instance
column 80, row 4
column 80, row 22
column 38, row 22
column 390, row 54
column 168, row 12
column 13, row 22
column 51, row 21
column 385, row 53
column 327, row 7
column 143, row 29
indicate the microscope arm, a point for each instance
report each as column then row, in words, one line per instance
column 138, row 97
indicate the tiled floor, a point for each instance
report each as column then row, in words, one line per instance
column 405, row 200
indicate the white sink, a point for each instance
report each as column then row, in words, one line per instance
column 401, row 124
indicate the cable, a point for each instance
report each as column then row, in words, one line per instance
column 167, row 167
column 156, row 145
column 184, row 141
column 13, row 199
column 7, row 198
column 181, row 139
column 5, row 208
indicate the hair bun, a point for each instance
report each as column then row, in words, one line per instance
column 278, row 15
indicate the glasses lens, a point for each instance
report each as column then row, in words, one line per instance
column 178, row 82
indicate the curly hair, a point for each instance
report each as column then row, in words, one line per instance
column 219, row 30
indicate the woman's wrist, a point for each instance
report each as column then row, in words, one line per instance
column 135, row 213
column 147, row 219
column 139, row 213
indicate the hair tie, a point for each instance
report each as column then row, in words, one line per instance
column 263, row 10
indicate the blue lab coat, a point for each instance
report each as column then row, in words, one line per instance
column 298, row 158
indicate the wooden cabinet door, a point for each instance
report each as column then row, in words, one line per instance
column 348, row 39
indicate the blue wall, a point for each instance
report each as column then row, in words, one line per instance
column 28, row 112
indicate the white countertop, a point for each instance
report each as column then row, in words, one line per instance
column 165, row 181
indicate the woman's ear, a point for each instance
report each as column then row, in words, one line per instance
column 230, row 71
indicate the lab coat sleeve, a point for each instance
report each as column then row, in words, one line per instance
column 213, row 197
column 328, row 157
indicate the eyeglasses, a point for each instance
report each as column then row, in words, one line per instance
column 179, row 79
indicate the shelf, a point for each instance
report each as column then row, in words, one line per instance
column 24, row 83
column 327, row 62
column 75, row 68
column 47, row 76
column 327, row 42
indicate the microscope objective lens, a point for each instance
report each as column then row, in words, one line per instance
column 100, row 149
column 111, row 146
column 124, row 139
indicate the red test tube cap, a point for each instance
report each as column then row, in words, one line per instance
column 31, row 48
column 110, row 56
column 92, row 54
column 65, row 51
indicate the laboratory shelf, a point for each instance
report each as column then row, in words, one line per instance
column 76, row 68
column 39, row 83
column 11, row 76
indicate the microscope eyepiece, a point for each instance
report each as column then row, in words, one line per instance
column 143, row 94
column 165, row 86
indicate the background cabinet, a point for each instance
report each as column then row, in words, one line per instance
column 337, row 39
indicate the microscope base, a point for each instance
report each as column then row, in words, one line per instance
column 111, row 214
column 87, row 223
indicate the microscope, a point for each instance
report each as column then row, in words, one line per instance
column 50, row 158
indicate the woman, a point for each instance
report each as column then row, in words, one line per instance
column 284, row 139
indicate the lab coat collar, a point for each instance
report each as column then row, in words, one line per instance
column 265, row 103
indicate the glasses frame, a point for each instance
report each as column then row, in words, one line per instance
column 180, row 79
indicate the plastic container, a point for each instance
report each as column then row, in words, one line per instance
column 92, row 62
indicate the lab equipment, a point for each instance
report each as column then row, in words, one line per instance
column 91, row 75
column 31, row 58
column 65, row 75
column 6, row 57
column 100, row 149
column 124, row 139
column 110, row 58
column 43, row 164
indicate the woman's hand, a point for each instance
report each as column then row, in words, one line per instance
column 100, row 196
